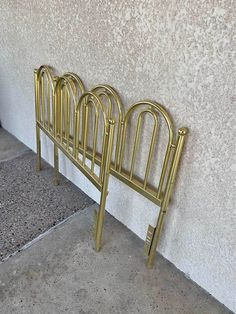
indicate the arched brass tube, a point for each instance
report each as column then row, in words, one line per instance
column 80, row 88
column 86, row 100
column 76, row 134
column 56, row 155
column 151, row 151
column 39, row 74
column 137, row 143
column 115, row 103
column 95, row 139
column 156, row 107
column 64, row 98
column 45, row 83
column 110, row 109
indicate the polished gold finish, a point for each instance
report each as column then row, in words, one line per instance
column 38, row 142
column 63, row 113
column 161, row 193
column 114, row 108
column 141, row 185
column 43, row 79
column 68, row 88
column 95, row 224
column 56, row 154
column 170, row 182
column 106, row 171
column 148, row 240
column 86, row 125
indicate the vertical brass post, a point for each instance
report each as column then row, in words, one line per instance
column 169, row 186
column 56, row 180
column 85, row 130
column 107, row 161
column 37, row 115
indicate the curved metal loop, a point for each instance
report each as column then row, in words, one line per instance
column 90, row 97
column 115, row 110
column 62, row 82
column 44, row 85
column 64, row 108
column 86, row 102
column 78, row 84
column 48, row 71
column 137, row 141
column 112, row 96
column 155, row 110
column 156, row 107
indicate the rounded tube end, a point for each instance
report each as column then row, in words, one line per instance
column 183, row 131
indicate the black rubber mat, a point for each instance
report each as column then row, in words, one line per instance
column 30, row 203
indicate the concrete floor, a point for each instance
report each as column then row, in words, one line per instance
column 29, row 202
column 60, row 272
column 10, row 147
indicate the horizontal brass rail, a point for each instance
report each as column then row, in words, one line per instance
column 84, row 169
column 136, row 183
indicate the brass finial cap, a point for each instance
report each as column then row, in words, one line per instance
column 183, row 131
column 112, row 121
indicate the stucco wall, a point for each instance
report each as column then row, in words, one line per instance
column 179, row 53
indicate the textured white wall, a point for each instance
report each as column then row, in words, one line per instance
column 181, row 54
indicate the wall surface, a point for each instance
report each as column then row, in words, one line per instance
column 179, row 53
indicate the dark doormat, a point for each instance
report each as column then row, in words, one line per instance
column 29, row 202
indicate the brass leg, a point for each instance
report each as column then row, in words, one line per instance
column 56, row 166
column 100, row 222
column 104, row 192
column 170, row 183
column 155, row 240
column 38, row 147
column 152, row 254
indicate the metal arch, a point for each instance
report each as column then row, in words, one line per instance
column 75, row 78
column 99, row 105
column 109, row 90
column 160, row 109
column 114, row 103
column 48, row 70
column 153, row 109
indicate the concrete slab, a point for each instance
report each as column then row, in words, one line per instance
column 29, row 202
column 61, row 273
column 10, row 147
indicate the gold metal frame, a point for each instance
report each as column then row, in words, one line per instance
column 63, row 108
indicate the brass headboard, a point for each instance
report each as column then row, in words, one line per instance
column 92, row 129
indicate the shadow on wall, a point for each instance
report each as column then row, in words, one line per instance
column 8, row 104
column 2, row 101
column 0, row 105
